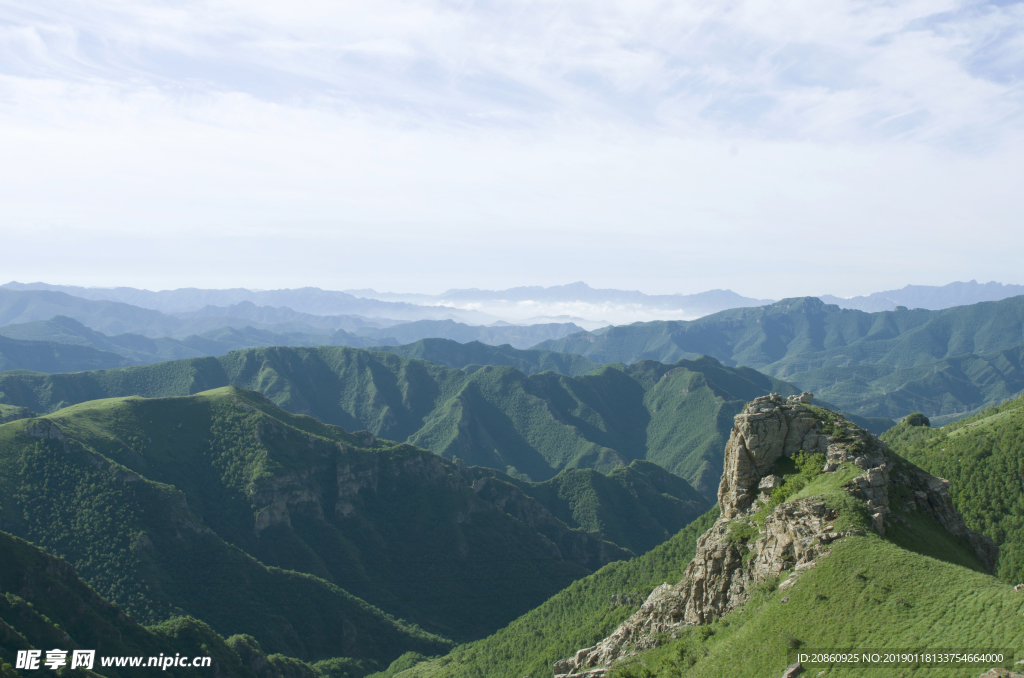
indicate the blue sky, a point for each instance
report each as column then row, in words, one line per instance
column 772, row 148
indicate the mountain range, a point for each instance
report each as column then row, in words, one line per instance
column 24, row 315
column 931, row 297
column 885, row 364
column 530, row 426
column 809, row 569
column 311, row 300
column 337, row 554
column 315, row 541
column 591, row 308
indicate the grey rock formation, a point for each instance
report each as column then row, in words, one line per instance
column 795, row 535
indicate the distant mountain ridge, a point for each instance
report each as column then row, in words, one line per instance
column 50, row 356
column 579, row 291
column 931, row 297
column 873, row 364
column 312, row 300
column 577, row 299
column 31, row 315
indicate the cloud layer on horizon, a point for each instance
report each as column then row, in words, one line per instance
column 571, row 139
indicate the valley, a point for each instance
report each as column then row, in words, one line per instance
column 464, row 508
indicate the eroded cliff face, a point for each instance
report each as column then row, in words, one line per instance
column 795, row 535
column 358, row 473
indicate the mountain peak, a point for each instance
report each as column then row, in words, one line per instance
column 778, row 447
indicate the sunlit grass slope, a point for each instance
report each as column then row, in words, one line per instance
column 916, row 589
column 983, row 457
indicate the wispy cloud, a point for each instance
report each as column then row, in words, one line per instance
column 686, row 123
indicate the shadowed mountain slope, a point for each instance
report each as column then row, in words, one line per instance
column 226, row 508
column 638, row 506
column 49, row 356
column 44, row 605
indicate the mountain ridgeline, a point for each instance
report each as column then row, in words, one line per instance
column 530, row 426
column 982, row 457
column 886, row 364
column 826, row 538
column 312, row 540
column 46, row 315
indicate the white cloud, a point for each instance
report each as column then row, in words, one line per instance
column 666, row 146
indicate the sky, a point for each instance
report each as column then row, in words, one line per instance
column 776, row 149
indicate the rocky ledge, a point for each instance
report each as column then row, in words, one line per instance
column 795, row 535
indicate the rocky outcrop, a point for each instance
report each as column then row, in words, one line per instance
column 738, row 554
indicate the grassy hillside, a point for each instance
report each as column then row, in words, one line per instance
column 293, row 524
column 677, row 416
column 916, row 589
column 870, row 593
column 871, row 364
column 583, row 613
column 982, row 457
column 44, row 605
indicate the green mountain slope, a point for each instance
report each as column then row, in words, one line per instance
column 637, row 506
column 677, row 416
column 90, row 485
column 473, row 354
column 872, row 364
column 807, row 568
column 869, row 594
column 48, row 356
column 982, row 457
column 583, row 613
column 292, row 524
column 44, row 605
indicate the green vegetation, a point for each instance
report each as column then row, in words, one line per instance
column 44, row 605
column 147, row 500
column 637, row 506
column 12, row 413
column 677, row 416
column 981, row 456
column 918, row 587
column 293, row 524
column 871, row 364
column 49, row 356
column 869, row 593
column 579, row 616
column 473, row 355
